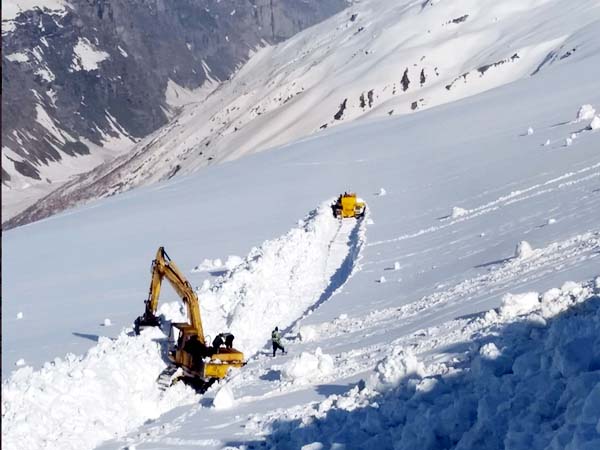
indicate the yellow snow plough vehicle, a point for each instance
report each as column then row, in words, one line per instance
column 201, row 364
column 348, row 205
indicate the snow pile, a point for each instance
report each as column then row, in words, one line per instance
column 224, row 398
column 308, row 367
column 514, row 305
column 595, row 123
column 523, row 250
column 107, row 322
column 458, row 212
column 529, row 131
column 382, row 192
column 20, row 362
column 19, row 315
column 526, row 387
column 400, row 365
column 78, row 402
column 586, row 112
column 210, row 265
column 281, row 280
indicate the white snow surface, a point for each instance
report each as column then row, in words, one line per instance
column 473, row 349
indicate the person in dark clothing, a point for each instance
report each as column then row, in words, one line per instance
column 276, row 339
column 228, row 340
column 217, row 342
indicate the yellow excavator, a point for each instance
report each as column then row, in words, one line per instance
column 201, row 364
column 348, row 205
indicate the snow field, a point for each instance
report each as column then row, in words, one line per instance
column 78, row 402
column 113, row 387
column 522, row 383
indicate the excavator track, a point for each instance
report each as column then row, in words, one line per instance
column 168, row 376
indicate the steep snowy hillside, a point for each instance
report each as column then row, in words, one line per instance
column 377, row 58
column 84, row 79
column 461, row 313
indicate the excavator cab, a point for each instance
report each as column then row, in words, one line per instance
column 348, row 205
column 201, row 364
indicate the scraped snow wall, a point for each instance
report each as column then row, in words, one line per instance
column 526, row 381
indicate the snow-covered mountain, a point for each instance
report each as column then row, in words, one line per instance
column 378, row 58
column 83, row 80
column 462, row 313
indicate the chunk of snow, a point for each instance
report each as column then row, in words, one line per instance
column 107, row 322
column 20, row 362
column 370, row 222
column 595, row 123
column 529, row 131
column 19, row 315
column 514, row 305
column 233, row 261
column 573, row 136
column 523, row 250
column 547, row 143
column 308, row 333
column 400, row 365
column 568, row 142
column 489, row 351
column 224, row 398
column 586, row 112
column 382, row 279
column 343, row 316
column 458, row 212
column 382, row 192
column 551, row 221
column 396, row 265
column 308, row 367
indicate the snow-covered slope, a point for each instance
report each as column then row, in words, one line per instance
column 375, row 59
column 421, row 327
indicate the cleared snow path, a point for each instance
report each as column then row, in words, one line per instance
column 283, row 279
column 78, row 402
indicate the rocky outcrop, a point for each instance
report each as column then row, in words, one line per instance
column 74, row 79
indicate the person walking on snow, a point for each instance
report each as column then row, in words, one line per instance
column 276, row 338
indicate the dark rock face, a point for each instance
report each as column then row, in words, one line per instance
column 143, row 43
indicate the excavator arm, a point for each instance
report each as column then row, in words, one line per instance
column 164, row 267
column 199, row 361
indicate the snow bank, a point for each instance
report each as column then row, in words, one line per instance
column 308, row 367
column 278, row 282
column 526, row 388
column 224, row 398
column 78, row 402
